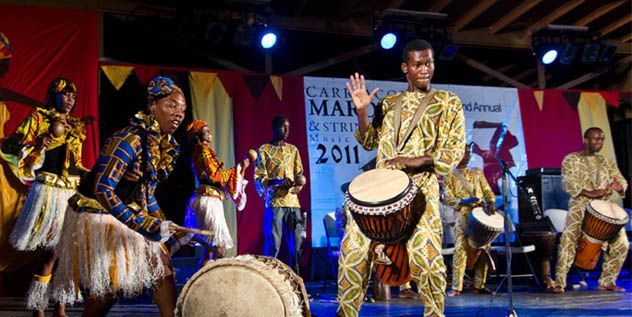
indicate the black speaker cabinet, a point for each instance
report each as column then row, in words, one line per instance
column 547, row 185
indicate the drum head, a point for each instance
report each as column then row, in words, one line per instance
column 242, row 286
column 494, row 221
column 379, row 186
column 608, row 209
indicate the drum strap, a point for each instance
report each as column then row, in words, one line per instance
column 466, row 185
column 399, row 143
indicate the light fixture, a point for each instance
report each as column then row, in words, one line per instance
column 268, row 39
column 549, row 56
column 388, row 40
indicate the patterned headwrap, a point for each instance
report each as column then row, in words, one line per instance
column 161, row 87
column 5, row 47
column 194, row 128
column 58, row 86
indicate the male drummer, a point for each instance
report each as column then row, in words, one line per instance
column 278, row 175
column 587, row 176
column 434, row 145
column 465, row 189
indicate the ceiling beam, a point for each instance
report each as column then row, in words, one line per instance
column 472, row 14
column 513, row 15
column 524, row 74
column 594, row 15
column 615, row 25
column 582, row 79
column 395, row 4
column 626, row 38
column 551, row 17
column 541, row 75
column 332, row 61
column 503, row 69
column 439, row 5
column 487, row 70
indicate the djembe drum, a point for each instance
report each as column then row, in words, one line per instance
column 544, row 242
column 247, row 285
column 481, row 230
column 602, row 222
column 387, row 205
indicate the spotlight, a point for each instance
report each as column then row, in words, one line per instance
column 268, row 39
column 388, row 40
column 591, row 52
column 449, row 51
column 549, row 56
column 568, row 54
column 607, row 51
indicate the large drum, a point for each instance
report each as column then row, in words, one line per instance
column 602, row 222
column 544, row 242
column 387, row 205
column 481, row 230
column 248, row 285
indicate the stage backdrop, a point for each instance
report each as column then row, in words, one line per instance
column 38, row 45
column 335, row 157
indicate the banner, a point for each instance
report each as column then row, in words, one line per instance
column 335, row 157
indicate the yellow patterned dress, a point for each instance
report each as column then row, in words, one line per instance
column 282, row 208
column 581, row 172
column 456, row 190
column 440, row 133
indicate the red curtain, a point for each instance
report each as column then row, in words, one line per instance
column 48, row 43
column 551, row 125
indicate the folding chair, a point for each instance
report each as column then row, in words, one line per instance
column 333, row 244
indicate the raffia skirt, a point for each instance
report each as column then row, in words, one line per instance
column 208, row 212
column 100, row 255
column 42, row 217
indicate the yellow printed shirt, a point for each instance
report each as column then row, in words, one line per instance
column 439, row 133
column 18, row 148
column 276, row 163
column 581, row 172
column 455, row 190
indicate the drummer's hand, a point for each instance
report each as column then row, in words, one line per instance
column 173, row 229
column 245, row 163
column 616, row 186
column 361, row 99
column 597, row 193
column 402, row 162
column 287, row 183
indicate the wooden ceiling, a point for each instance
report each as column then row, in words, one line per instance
column 335, row 37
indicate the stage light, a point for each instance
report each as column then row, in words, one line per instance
column 591, row 52
column 268, row 39
column 568, row 54
column 549, row 56
column 449, row 51
column 388, row 40
column 607, row 51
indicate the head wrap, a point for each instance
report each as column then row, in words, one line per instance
column 5, row 47
column 161, row 87
column 58, row 86
column 196, row 126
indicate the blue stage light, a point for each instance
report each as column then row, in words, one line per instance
column 388, row 41
column 549, row 57
column 268, row 39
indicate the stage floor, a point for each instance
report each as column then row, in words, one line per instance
column 527, row 302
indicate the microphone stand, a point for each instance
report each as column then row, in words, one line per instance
column 505, row 183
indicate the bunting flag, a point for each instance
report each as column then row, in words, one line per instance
column 211, row 103
column 146, row 73
column 256, row 84
column 277, row 83
column 117, row 74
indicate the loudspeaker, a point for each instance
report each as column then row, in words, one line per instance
column 547, row 186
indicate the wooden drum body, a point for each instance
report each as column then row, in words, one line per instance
column 248, row 285
column 602, row 222
column 386, row 205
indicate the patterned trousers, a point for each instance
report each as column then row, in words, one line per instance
column 613, row 258
column 459, row 260
column 425, row 260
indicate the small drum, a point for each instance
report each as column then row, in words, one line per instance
column 602, row 222
column 387, row 205
column 248, row 285
column 481, row 230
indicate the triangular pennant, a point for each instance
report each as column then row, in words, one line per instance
column 256, row 84
column 592, row 99
column 539, row 98
column 203, row 81
column 146, row 73
column 572, row 98
column 611, row 97
column 277, row 83
column 117, row 74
